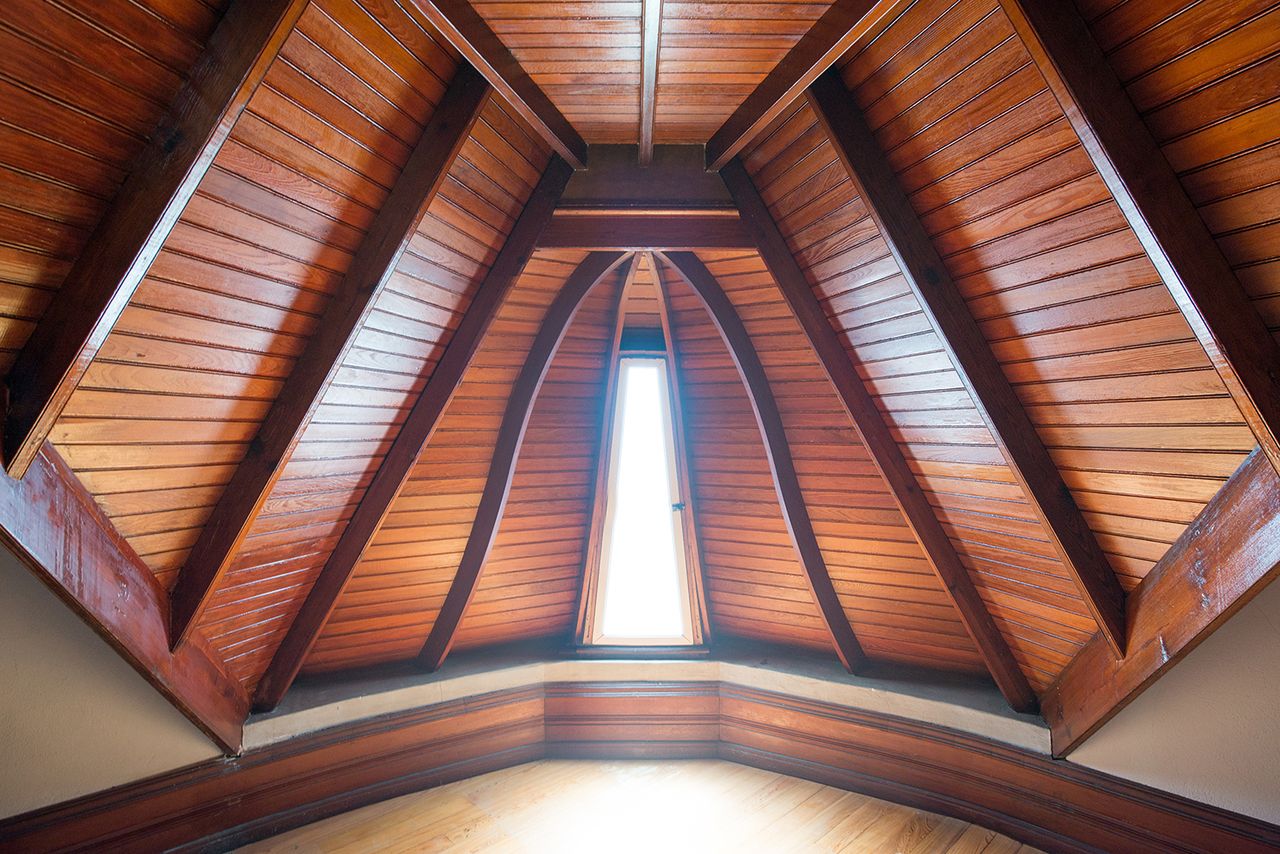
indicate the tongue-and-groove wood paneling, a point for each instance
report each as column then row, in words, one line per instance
column 82, row 86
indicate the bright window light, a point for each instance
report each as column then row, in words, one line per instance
column 644, row 587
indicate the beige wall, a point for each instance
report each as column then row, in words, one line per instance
column 74, row 717
column 1210, row 728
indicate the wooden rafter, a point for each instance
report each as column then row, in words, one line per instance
column 778, row 451
column 826, row 41
column 1157, row 208
column 1222, row 560
column 131, row 232
column 506, row 451
column 53, row 524
column 372, row 267
column 879, row 442
column 414, row 434
column 976, row 365
column 650, row 36
column 637, row 232
column 461, row 24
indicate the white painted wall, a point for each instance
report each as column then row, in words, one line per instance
column 1210, row 728
column 74, row 716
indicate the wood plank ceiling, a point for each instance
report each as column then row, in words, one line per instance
column 1071, row 314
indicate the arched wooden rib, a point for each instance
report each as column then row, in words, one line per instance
column 414, row 434
column 777, row 449
column 130, row 234
column 879, row 442
column 506, row 452
column 370, row 271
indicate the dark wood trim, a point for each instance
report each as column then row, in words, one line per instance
column 372, row 267
column 1054, row 805
column 130, row 234
column 879, row 442
column 54, row 526
column 828, row 39
column 1222, row 560
column 506, row 451
column 777, row 449
column 1157, row 208
column 976, row 365
column 637, row 653
column 650, row 37
column 414, row 434
column 675, row 180
column 467, row 31
column 637, row 232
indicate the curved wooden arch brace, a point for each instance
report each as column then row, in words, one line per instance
column 777, row 449
column 506, row 452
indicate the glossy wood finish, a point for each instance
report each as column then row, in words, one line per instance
column 56, row 529
column 468, row 32
column 879, row 442
column 967, row 347
column 419, row 425
column 1157, row 208
column 372, row 268
column 639, row 232
column 795, row 512
column 114, row 259
column 1227, row 555
column 506, row 453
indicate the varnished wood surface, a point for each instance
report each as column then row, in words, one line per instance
column 693, row 805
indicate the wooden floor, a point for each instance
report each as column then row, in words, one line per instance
column 608, row 807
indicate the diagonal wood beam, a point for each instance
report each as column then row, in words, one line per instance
column 650, row 36
column 827, row 40
column 1222, row 560
column 1157, row 208
column 981, row 373
column 506, row 451
column 371, row 268
column 884, row 450
column 55, row 527
column 129, row 236
column 466, row 30
column 414, row 434
column 777, row 449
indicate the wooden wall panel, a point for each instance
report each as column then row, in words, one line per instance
column 888, row 591
column 399, row 585
column 585, row 56
column 1206, row 79
column 81, row 90
column 1019, row 576
column 360, row 413
column 1091, row 339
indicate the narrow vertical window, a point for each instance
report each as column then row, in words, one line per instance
column 644, row 587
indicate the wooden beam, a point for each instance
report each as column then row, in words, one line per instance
column 981, row 373
column 467, row 31
column 134, row 228
column 1222, row 560
column 827, row 40
column 1157, row 208
column 879, row 442
column 414, row 434
column 343, row 320
column 54, row 526
column 777, row 449
column 506, row 451
column 637, row 232
column 650, row 36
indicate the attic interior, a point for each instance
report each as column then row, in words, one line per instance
column 863, row 412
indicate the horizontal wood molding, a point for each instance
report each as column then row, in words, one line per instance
column 1055, row 805
column 638, row 232
column 57, row 529
column 130, row 234
column 1222, row 560
column 462, row 25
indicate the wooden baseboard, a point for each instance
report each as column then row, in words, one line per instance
column 1054, row 805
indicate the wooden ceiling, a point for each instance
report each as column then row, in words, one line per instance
column 1009, row 277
